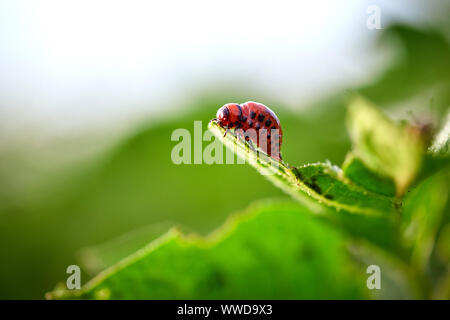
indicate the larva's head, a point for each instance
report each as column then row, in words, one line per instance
column 223, row 116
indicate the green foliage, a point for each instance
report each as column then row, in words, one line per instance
column 271, row 251
column 279, row 250
column 326, row 181
column 311, row 184
column 393, row 151
column 423, row 216
column 356, row 171
column 135, row 186
column 421, row 64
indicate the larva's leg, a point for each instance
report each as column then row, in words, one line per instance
column 226, row 131
column 238, row 134
column 250, row 143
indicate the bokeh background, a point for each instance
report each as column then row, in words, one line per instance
column 90, row 92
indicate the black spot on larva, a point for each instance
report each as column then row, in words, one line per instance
column 240, row 110
column 268, row 122
column 230, row 125
column 250, row 123
column 257, row 126
column 253, row 114
column 247, row 138
column 274, row 127
column 244, row 119
column 261, row 117
column 268, row 136
column 238, row 125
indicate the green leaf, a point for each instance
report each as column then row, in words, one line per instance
column 272, row 251
column 357, row 172
column 392, row 150
column 326, row 181
column 442, row 252
column 362, row 214
column 423, row 214
column 315, row 185
column 432, row 164
column 96, row 258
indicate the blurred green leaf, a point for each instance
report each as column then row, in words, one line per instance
column 392, row 150
column 442, row 253
column 272, row 251
column 431, row 165
column 355, row 170
column 423, row 214
column 101, row 256
column 421, row 63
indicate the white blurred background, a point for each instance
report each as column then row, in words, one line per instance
column 71, row 67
